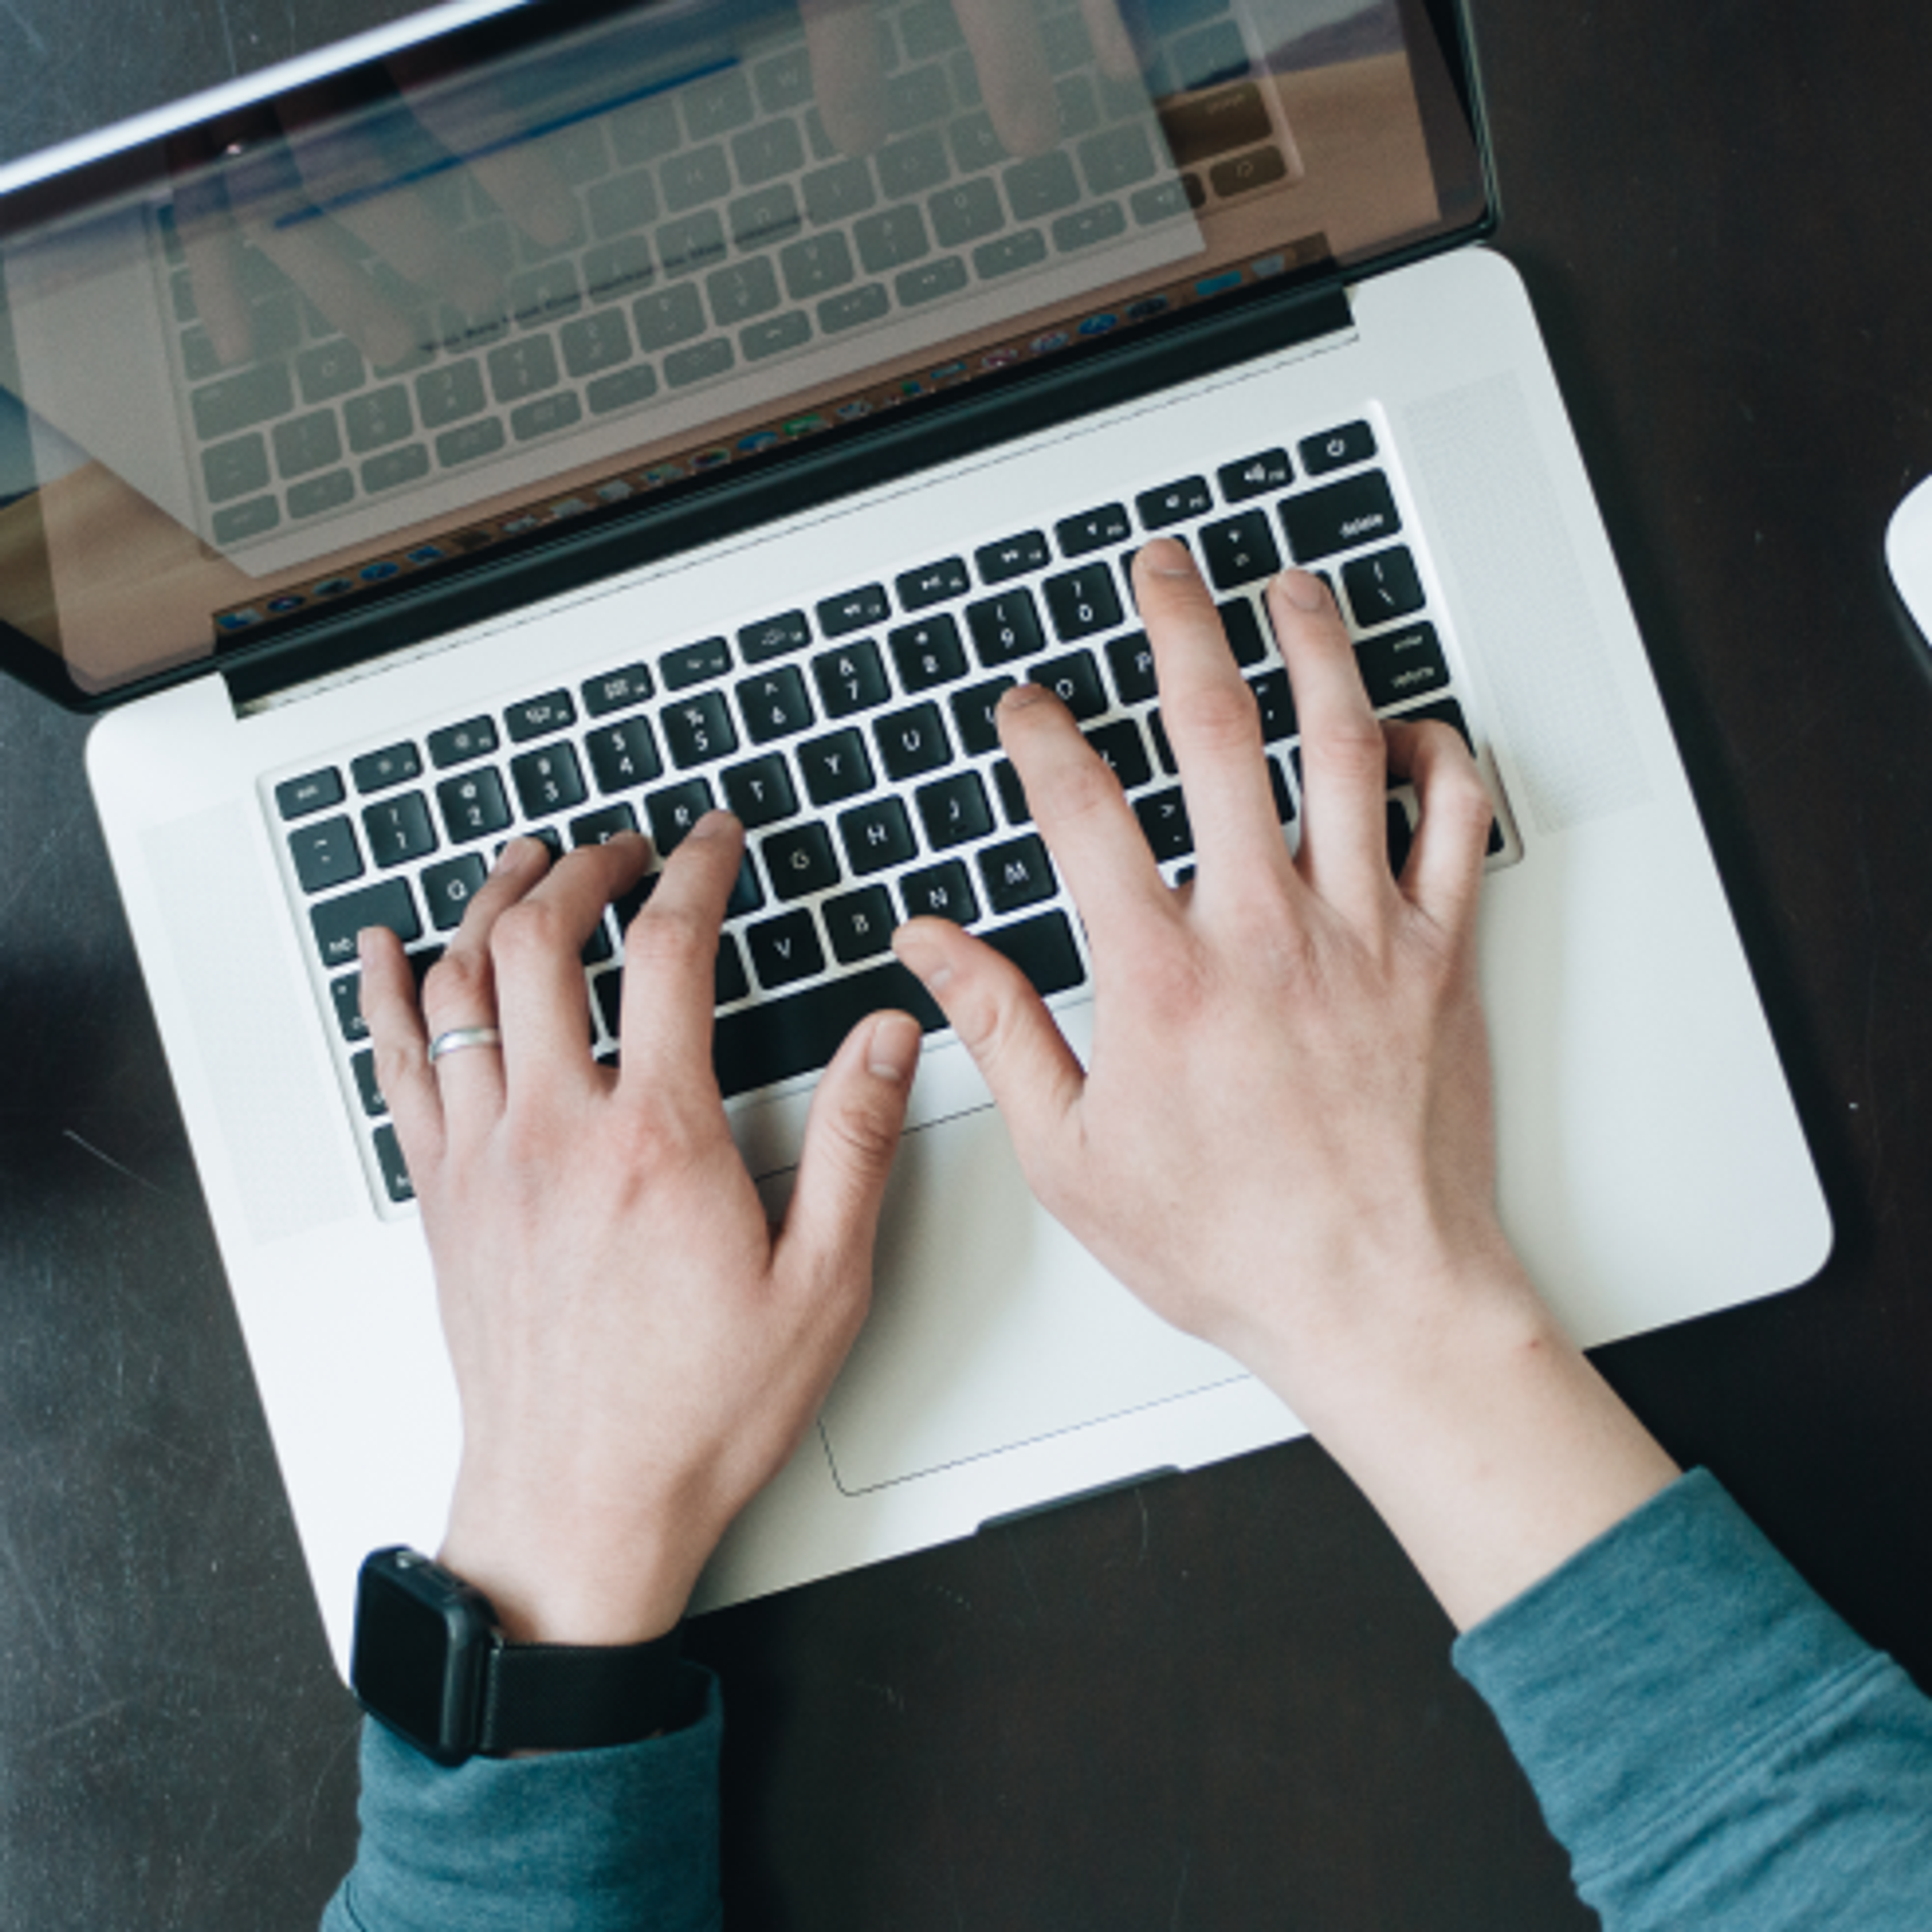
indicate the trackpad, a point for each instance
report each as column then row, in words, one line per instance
column 990, row 1325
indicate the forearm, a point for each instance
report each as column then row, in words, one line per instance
column 1490, row 1447
column 598, row 1841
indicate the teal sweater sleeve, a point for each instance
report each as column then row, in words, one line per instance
column 1711, row 1745
column 580, row 1841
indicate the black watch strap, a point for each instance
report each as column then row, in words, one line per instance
column 545, row 1697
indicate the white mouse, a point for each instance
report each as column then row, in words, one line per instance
column 1908, row 549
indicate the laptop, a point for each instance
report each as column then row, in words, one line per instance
column 579, row 417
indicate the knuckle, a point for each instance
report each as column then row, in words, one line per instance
column 671, row 935
column 1218, row 717
column 459, row 978
column 529, row 930
column 1351, row 748
column 866, row 1138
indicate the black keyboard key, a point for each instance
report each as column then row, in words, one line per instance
column 395, row 1171
column 777, row 1039
column 1016, row 874
column 346, row 994
column 785, row 950
column 1013, row 793
column 398, row 829
column 1131, row 660
column 933, row 584
column 548, row 780
column 1075, row 679
column 674, row 811
column 1082, row 602
column 876, row 834
column 449, row 887
column 953, row 810
column 939, row 892
column 760, row 791
column 1402, row 663
column 1284, row 800
column 774, row 705
column 1239, row 551
column 458, row 744
column 859, row 925
column 538, row 717
column 1163, row 817
column 1243, row 628
column 337, row 922
column 800, row 860
column 1174, row 503
column 393, row 765
column 729, row 979
column 1383, row 587
column 617, row 690
column 912, row 742
column 472, row 806
column 836, row 767
column 928, row 653
column 1337, row 448
column 623, row 755
column 600, row 827
column 1276, row 704
column 698, row 729
column 773, row 637
column 747, row 895
column 972, row 715
column 325, row 854
column 1255, row 476
column 1124, row 751
column 853, row 611
column 1012, row 556
column 851, row 679
column 695, row 663
column 1341, row 516
column 1163, row 750
column 1092, row 529
column 1004, row 628
column 313, row 791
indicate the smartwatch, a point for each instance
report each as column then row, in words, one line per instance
column 430, row 1664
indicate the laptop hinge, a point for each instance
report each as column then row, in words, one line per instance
column 875, row 454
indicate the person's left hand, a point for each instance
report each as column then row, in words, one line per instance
column 636, row 1350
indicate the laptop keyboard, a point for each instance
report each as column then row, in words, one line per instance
column 720, row 232
column 853, row 737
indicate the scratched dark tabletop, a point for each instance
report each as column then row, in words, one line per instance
column 1220, row 1702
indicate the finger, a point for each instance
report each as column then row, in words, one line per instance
column 850, row 1138
column 1344, row 755
column 1444, row 873
column 402, row 1072
column 1014, row 74
column 461, row 992
column 1084, row 816
column 841, row 41
column 476, row 120
column 536, row 949
column 671, row 964
column 1034, row 1075
column 1213, row 724
column 1113, row 46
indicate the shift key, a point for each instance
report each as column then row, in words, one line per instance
column 389, row 902
column 1198, row 126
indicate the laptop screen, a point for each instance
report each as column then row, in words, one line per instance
column 300, row 354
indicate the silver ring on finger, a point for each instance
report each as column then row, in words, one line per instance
column 457, row 1038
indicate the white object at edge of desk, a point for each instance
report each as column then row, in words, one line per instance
column 1908, row 550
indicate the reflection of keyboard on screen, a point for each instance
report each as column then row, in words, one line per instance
column 854, row 738
column 721, row 234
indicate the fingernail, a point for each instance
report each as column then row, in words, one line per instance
column 892, row 1052
column 512, row 855
column 917, row 958
column 1020, row 697
column 1167, row 558
column 1303, row 590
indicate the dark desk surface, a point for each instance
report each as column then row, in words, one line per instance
column 1222, row 1701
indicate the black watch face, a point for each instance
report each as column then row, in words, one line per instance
column 417, row 1653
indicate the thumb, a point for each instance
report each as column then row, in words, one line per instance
column 1035, row 1076
column 850, row 1140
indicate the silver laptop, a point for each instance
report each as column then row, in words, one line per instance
column 585, row 416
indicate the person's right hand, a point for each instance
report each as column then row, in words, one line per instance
column 1284, row 1136
column 1283, row 1142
